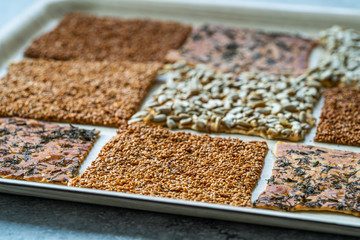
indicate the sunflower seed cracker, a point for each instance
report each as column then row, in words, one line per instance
column 259, row 108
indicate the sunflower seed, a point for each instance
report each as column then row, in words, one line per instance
column 263, row 110
column 262, row 128
column 140, row 114
column 262, row 121
column 253, row 123
column 159, row 118
column 163, row 109
column 243, row 123
column 151, row 104
column 184, row 115
column 284, row 122
column 302, row 116
column 185, row 121
column 217, row 124
column 228, row 122
column 162, row 98
column 290, row 107
column 200, row 124
column 257, row 104
column 279, row 127
column 286, row 132
column 276, row 108
column 132, row 120
column 272, row 131
column 170, row 123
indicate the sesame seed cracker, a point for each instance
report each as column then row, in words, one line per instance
column 153, row 161
column 97, row 93
column 340, row 117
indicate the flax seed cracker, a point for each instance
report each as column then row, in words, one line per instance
column 340, row 117
column 92, row 38
column 98, row 93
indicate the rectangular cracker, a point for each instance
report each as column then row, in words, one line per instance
column 153, row 161
column 340, row 65
column 42, row 152
column 92, row 38
column 340, row 117
column 99, row 93
column 311, row 178
column 270, row 106
column 231, row 49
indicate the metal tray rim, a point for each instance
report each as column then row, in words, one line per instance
column 16, row 26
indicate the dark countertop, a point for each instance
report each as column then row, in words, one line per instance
column 35, row 218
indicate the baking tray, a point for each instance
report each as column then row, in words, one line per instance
column 44, row 15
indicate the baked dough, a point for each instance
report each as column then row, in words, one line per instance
column 311, row 178
column 96, row 93
column 231, row 49
column 153, row 161
column 42, row 152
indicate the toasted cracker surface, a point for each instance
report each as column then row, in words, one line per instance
column 42, row 152
column 231, row 49
column 99, row 93
column 271, row 106
column 311, row 178
column 340, row 117
column 153, row 161
column 88, row 37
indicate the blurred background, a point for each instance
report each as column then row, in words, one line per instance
column 10, row 9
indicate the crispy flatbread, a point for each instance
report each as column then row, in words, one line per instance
column 92, row 38
column 98, row 93
column 153, row 161
column 311, row 178
column 340, row 117
column 270, row 106
column 231, row 49
column 42, row 152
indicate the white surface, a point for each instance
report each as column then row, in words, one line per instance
column 246, row 17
